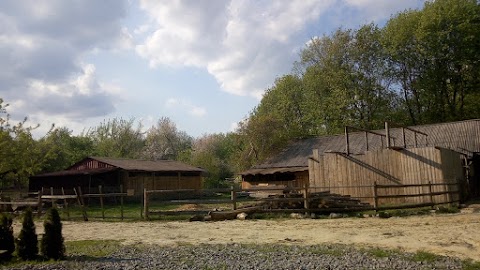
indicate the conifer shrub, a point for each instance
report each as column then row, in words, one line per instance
column 7, row 242
column 52, row 246
column 27, row 242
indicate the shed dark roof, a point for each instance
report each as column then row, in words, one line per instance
column 145, row 165
column 75, row 172
column 462, row 136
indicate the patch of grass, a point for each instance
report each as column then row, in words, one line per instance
column 448, row 209
column 379, row 253
column 92, row 248
column 424, row 256
column 470, row 265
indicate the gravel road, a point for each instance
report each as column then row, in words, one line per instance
column 236, row 256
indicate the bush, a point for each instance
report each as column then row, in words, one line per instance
column 7, row 241
column 27, row 242
column 52, row 245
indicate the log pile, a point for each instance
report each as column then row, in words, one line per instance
column 319, row 200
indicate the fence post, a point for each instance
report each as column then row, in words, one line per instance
column 81, row 202
column 233, row 196
column 145, row 204
column 65, row 205
column 375, row 197
column 52, row 199
column 39, row 207
column 305, row 199
column 101, row 200
column 431, row 193
column 121, row 202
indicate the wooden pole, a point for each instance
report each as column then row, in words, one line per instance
column 305, row 199
column 347, row 145
column 366, row 139
column 65, row 205
column 387, row 133
column 121, row 202
column 431, row 193
column 101, row 200
column 52, row 200
column 233, row 196
column 39, row 206
column 145, row 204
column 80, row 202
column 375, row 196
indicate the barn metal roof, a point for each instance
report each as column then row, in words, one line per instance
column 462, row 136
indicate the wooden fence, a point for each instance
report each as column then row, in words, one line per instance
column 236, row 197
column 65, row 200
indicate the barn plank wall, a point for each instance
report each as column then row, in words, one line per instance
column 356, row 174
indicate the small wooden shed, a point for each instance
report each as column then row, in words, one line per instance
column 132, row 174
column 436, row 152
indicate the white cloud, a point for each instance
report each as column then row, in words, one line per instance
column 185, row 105
column 42, row 45
column 243, row 44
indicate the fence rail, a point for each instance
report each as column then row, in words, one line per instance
column 305, row 200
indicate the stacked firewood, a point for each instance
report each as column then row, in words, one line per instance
column 318, row 200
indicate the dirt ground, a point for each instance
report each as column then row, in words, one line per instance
column 456, row 235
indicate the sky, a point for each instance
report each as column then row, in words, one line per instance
column 204, row 64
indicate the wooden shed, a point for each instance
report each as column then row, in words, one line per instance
column 111, row 173
column 405, row 155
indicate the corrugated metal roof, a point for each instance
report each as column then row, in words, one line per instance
column 144, row 165
column 462, row 136
column 274, row 170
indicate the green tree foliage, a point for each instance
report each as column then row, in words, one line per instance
column 63, row 149
column 6, row 236
column 27, row 242
column 434, row 55
column 52, row 246
column 165, row 141
column 118, row 138
column 212, row 153
column 20, row 154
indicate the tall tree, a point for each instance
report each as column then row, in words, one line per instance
column 118, row 138
column 165, row 141
column 434, row 55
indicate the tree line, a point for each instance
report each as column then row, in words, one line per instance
column 421, row 67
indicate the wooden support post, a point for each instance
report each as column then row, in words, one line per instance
column 387, row 133
column 233, row 196
column 65, row 205
column 145, row 204
column 366, row 139
column 403, row 135
column 415, row 138
column 52, row 200
column 81, row 203
column 121, row 202
column 39, row 203
column 101, row 201
column 431, row 193
column 347, row 144
column 306, row 203
column 375, row 196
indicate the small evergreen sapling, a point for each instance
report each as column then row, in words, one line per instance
column 52, row 246
column 7, row 241
column 27, row 242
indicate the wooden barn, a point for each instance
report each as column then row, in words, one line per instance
column 111, row 173
column 351, row 163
